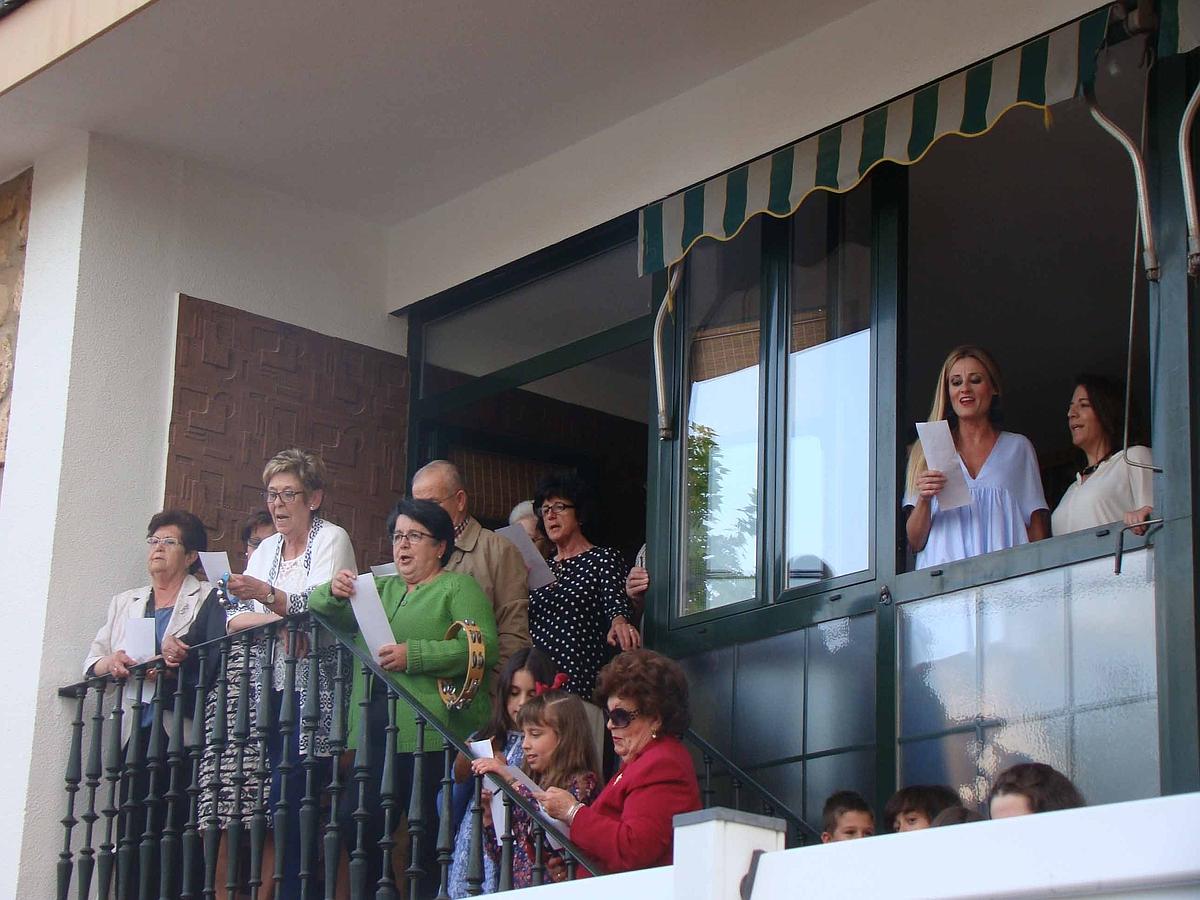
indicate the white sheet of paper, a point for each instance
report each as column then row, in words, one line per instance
column 551, row 825
column 384, row 570
column 940, row 454
column 539, row 572
column 368, row 610
column 139, row 638
column 483, row 750
column 216, row 565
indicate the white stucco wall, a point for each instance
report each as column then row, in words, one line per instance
column 859, row 61
column 115, row 233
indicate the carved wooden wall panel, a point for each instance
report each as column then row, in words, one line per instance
column 247, row 386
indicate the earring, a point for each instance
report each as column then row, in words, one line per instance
column 654, row 735
column 312, row 509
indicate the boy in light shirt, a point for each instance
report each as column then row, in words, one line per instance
column 846, row 817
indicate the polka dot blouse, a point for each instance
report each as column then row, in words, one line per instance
column 570, row 618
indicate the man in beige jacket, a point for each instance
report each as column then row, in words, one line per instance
column 494, row 562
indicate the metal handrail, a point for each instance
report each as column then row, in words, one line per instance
column 531, row 809
column 807, row 833
column 80, row 688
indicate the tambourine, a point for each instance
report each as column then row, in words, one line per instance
column 229, row 603
column 457, row 698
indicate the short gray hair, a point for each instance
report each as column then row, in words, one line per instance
column 523, row 510
column 308, row 467
column 444, row 469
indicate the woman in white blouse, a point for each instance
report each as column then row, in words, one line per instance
column 305, row 551
column 1116, row 484
column 1008, row 506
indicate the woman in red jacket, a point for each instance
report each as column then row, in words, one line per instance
column 629, row 825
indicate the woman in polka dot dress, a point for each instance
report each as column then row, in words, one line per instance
column 584, row 613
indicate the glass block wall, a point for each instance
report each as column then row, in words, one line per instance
column 1055, row 667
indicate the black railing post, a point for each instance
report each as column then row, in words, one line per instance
column 169, row 847
column 286, row 762
column 241, row 738
column 475, row 856
column 708, row 792
column 192, row 848
column 337, row 743
column 93, row 773
column 362, row 775
column 445, row 822
column 156, row 756
column 264, row 723
column 539, row 863
column 385, row 888
column 127, row 852
column 73, row 776
column 106, row 860
column 310, row 804
column 219, row 743
column 417, row 826
column 504, row 881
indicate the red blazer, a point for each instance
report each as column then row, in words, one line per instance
column 629, row 825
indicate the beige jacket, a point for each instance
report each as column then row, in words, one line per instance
column 498, row 567
column 132, row 605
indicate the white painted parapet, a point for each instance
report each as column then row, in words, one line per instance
column 1145, row 848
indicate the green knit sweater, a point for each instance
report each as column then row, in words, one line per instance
column 420, row 618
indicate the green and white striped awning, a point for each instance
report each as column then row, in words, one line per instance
column 1038, row 74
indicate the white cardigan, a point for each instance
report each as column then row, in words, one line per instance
column 132, row 605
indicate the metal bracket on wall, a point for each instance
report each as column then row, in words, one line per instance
column 666, row 429
column 1189, row 182
column 746, row 888
column 1149, row 252
column 1121, row 541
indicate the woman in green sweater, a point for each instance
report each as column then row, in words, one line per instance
column 421, row 602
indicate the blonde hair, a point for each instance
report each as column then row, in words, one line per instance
column 308, row 467
column 564, row 714
column 942, row 409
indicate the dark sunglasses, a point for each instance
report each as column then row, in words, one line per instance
column 619, row 717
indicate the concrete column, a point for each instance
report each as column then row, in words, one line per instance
column 714, row 848
column 30, row 504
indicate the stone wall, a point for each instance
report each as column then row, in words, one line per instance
column 247, row 387
column 14, row 231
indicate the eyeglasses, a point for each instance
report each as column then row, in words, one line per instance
column 288, row 496
column 254, row 543
column 413, row 537
column 556, row 508
column 621, row 717
column 166, row 542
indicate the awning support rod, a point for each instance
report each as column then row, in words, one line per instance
column 1149, row 253
column 666, row 430
column 1189, row 182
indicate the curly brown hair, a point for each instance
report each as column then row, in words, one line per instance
column 652, row 681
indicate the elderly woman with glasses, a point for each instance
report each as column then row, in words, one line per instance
column 422, row 602
column 629, row 826
column 579, row 617
column 305, row 551
column 169, row 603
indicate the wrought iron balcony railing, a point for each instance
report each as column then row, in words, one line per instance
column 132, row 827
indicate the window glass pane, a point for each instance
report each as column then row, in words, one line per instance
column 853, row 771
column 841, row 683
column 769, row 723
column 721, row 459
column 585, row 299
column 1054, row 667
column 829, row 389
